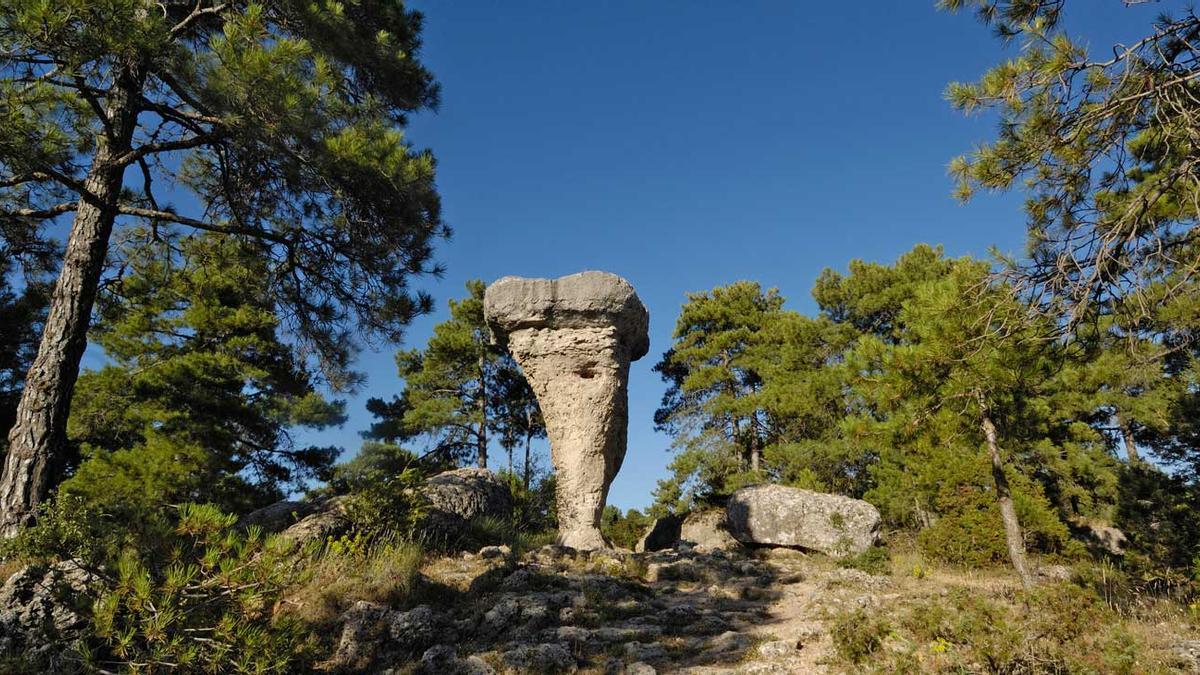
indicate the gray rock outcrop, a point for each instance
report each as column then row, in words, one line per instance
column 785, row 516
column 42, row 612
column 662, row 533
column 462, row 495
column 455, row 498
column 707, row 531
column 574, row 337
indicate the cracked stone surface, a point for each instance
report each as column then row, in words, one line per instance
column 575, row 337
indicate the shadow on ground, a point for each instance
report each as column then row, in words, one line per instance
column 557, row 610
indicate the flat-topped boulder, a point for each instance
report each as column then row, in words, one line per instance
column 777, row 515
column 574, row 338
column 583, row 300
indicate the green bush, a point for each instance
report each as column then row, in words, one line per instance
column 875, row 560
column 206, row 608
column 1061, row 629
column 624, row 529
column 858, row 634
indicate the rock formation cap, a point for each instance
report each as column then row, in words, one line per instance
column 583, row 300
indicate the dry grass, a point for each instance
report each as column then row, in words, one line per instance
column 336, row 580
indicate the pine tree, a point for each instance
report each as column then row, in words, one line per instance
column 201, row 392
column 21, row 313
column 461, row 390
column 969, row 387
column 1105, row 146
column 283, row 118
column 712, row 405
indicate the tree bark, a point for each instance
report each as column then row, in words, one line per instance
column 1008, row 513
column 482, row 450
column 526, row 476
column 37, row 440
column 1131, row 451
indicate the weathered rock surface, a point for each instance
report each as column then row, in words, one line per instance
column 41, row 611
column 462, row 495
column 280, row 515
column 455, row 498
column 574, row 337
column 327, row 519
column 707, row 531
column 662, row 533
column 785, row 516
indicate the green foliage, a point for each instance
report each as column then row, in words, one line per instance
column 874, row 560
column 201, row 392
column 535, row 508
column 387, row 507
column 180, row 589
column 884, row 396
column 1062, row 629
column 285, row 120
column 624, row 529
column 205, row 608
column 1100, row 144
column 858, row 635
column 72, row 528
column 460, row 390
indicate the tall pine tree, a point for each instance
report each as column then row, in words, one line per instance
column 284, row 119
column 201, row 396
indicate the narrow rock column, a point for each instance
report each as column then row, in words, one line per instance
column 574, row 338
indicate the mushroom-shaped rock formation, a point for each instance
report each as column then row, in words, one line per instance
column 574, row 338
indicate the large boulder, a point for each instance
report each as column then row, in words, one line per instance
column 455, row 499
column 326, row 519
column 574, row 338
column 784, row 516
column 462, row 495
column 663, row 533
column 279, row 516
column 708, row 531
column 42, row 611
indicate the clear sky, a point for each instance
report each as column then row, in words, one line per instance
column 686, row 145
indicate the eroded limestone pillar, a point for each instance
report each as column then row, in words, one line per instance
column 574, row 338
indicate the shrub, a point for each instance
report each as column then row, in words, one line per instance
column 624, row 529
column 875, row 560
column 205, row 608
column 858, row 634
column 387, row 507
column 1061, row 629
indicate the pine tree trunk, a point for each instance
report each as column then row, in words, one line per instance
column 482, row 437
column 1008, row 513
column 528, row 441
column 1131, row 451
column 37, row 440
column 755, row 450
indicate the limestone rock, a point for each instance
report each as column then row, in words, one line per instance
column 462, row 495
column 327, row 519
column 414, row 630
column 280, row 515
column 443, row 660
column 785, row 516
column 574, row 337
column 362, row 632
column 547, row 659
column 1106, row 538
column 41, row 611
column 708, row 531
column 663, row 533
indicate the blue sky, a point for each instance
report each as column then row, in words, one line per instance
column 685, row 145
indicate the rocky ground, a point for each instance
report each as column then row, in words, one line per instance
column 556, row 610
